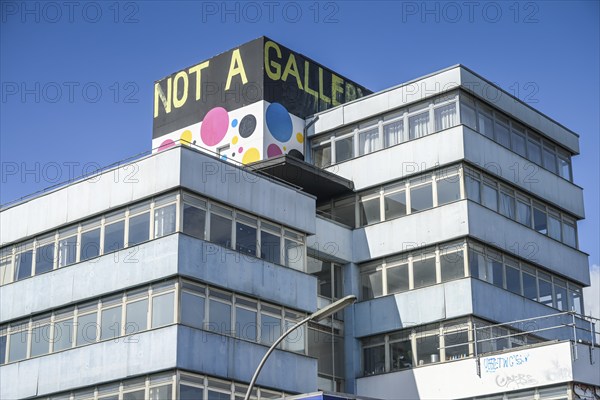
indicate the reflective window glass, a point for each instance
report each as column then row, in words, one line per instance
column 139, row 229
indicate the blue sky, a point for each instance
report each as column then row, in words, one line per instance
column 77, row 77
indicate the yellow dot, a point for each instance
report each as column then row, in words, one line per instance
column 251, row 155
column 299, row 137
column 234, row 140
column 186, row 137
column 284, row 148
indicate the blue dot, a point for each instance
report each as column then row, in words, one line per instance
column 279, row 122
column 224, row 157
column 234, row 123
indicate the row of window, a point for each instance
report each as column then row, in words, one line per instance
column 444, row 186
column 396, row 199
column 407, row 124
column 513, row 135
column 326, row 344
column 447, row 262
column 516, row 205
column 434, row 343
column 150, row 307
column 152, row 219
column 167, row 386
column 435, row 115
column 329, row 275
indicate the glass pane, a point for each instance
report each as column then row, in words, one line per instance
column 40, row 340
column 453, row 338
column 194, row 221
column 452, row 265
column 423, row 271
column 448, row 189
column 477, row 265
column 564, row 167
column 63, row 334
column 368, row 141
column 245, row 239
column 529, row 286
column 322, row 156
column 136, row 395
column 545, row 293
column 220, row 230
column 44, row 258
column 397, row 278
column 445, row 116
column 295, row 340
column 553, row 227
column 322, row 270
column 162, row 309
column 502, row 135
column 524, row 213
column 490, row 197
column 270, row 247
column 270, row 329
column 114, row 236
column 212, row 395
column 534, row 151
column 245, row 324
column 3, row 341
column 550, row 160
column 539, row 221
column 344, row 149
column 372, row 285
column 136, row 316
column 518, row 144
column 23, row 263
column 576, row 301
column 467, row 116
column 192, row 309
column 473, row 188
column 393, row 133
column 343, row 211
column 513, row 279
column 139, row 229
column 507, row 205
column 561, row 298
column 395, row 204
column 418, row 125
column 486, row 125
column 87, row 329
column 401, row 355
column 5, row 271
column 569, row 235
column 421, row 198
column 374, row 360
column 18, row 346
column 189, row 393
column 90, row 244
column 369, row 210
column 427, row 349
column 294, row 255
column 219, row 317
column 110, row 323
column 495, row 270
column 164, row 220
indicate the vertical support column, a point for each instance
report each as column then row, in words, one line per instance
column 351, row 344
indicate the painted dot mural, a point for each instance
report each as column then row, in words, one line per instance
column 300, row 137
column 279, row 122
column 166, row 144
column 251, row 155
column 240, row 150
column 234, row 140
column 234, row 122
column 297, row 154
column 186, row 137
column 273, row 150
column 247, row 126
column 214, row 126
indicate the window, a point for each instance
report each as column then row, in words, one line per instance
column 539, row 218
column 424, row 270
column 3, row 341
column 110, row 318
column 374, row 357
column 496, row 270
column 23, row 264
column 163, row 309
column 393, row 133
column 418, row 125
column 90, row 240
column 560, row 291
column 294, row 251
column 139, row 228
column 534, row 149
column 18, row 343
column 343, row 211
column 554, row 225
column 40, row 336
column 401, row 356
column 245, row 235
column 486, row 124
column 371, row 283
column 397, row 278
column 394, row 200
column 524, row 212
column 448, row 186
column 564, row 165
column 369, row 208
column 477, row 264
column 427, row 349
column 421, row 195
column 530, row 284
column 368, row 140
column 6, row 274
column 502, row 132
column 67, row 247
column 568, row 231
column 194, row 216
column 87, row 327
column 445, row 116
column 164, row 220
column 187, row 392
column 219, row 313
column 322, row 270
column 507, row 203
column 270, row 324
column 245, row 320
column 44, row 256
column 322, row 155
column 549, row 158
column 344, row 149
column 519, row 142
column 473, row 186
column 575, row 299
column 192, row 305
column 63, row 330
column 545, row 287
column 136, row 316
column 467, row 114
column 270, row 245
column 513, row 278
column 451, row 262
column 114, row 236
column 220, row 226
column 490, row 195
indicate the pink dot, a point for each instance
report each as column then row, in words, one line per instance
column 273, row 150
column 240, row 150
column 166, row 144
column 214, row 126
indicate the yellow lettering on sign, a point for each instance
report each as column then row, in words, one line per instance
column 291, row 68
column 350, row 92
column 160, row 95
column 336, row 87
column 276, row 74
column 236, row 67
column 177, row 101
column 321, row 94
column 197, row 69
column 307, row 89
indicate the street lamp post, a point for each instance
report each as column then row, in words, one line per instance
column 317, row 316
